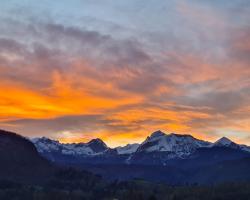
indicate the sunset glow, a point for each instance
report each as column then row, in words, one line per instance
column 77, row 70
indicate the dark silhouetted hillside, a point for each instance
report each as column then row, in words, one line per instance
column 20, row 160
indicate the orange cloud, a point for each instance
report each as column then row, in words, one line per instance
column 128, row 89
column 62, row 98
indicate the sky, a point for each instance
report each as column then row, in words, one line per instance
column 121, row 69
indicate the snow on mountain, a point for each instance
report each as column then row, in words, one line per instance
column 45, row 145
column 180, row 145
column 245, row 147
column 225, row 142
column 174, row 145
column 128, row 149
column 97, row 145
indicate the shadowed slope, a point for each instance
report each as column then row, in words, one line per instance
column 20, row 160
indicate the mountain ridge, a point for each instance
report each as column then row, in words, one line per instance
column 183, row 144
column 208, row 160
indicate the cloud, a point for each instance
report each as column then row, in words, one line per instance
column 73, row 81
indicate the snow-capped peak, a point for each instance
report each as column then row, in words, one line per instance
column 45, row 145
column 173, row 145
column 224, row 141
column 178, row 145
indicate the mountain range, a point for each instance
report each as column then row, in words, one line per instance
column 170, row 146
column 26, row 174
column 167, row 158
column 170, row 158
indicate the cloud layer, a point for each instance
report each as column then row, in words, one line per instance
column 125, row 71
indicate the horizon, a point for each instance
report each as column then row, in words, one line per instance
column 118, row 70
